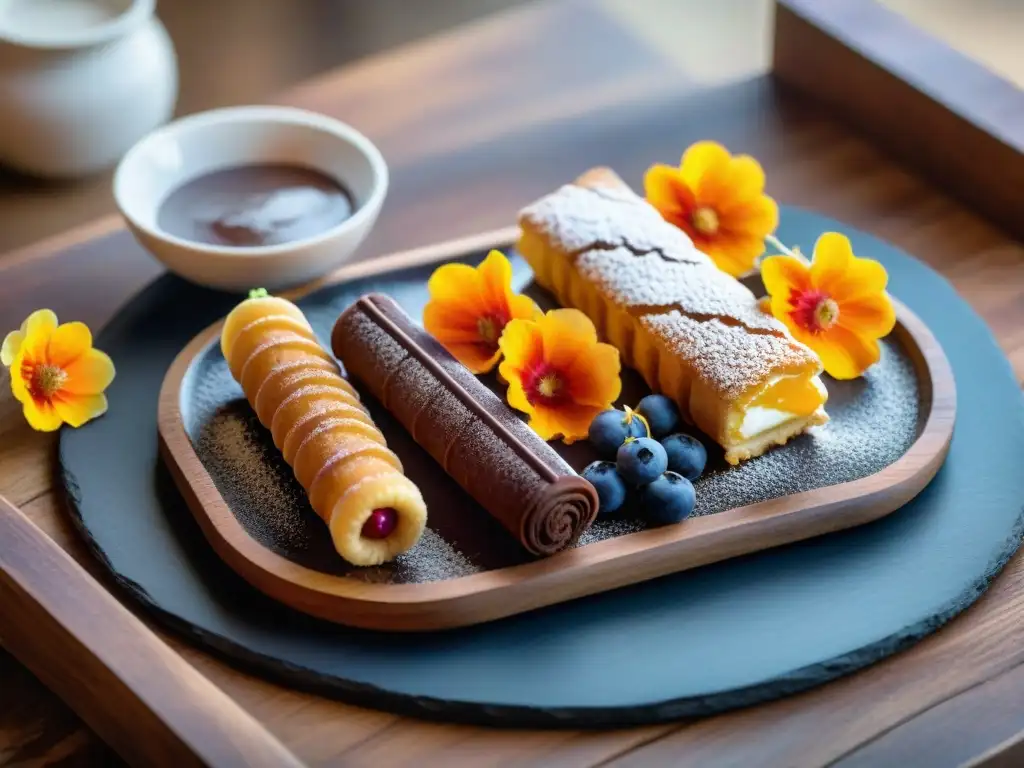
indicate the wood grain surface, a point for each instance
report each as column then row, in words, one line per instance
column 888, row 75
column 597, row 567
column 236, row 52
column 474, row 125
column 111, row 668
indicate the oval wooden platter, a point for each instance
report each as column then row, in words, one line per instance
column 588, row 569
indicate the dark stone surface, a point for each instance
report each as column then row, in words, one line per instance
column 719, row 637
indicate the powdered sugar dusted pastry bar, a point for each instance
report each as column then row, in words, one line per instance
column 695, row 333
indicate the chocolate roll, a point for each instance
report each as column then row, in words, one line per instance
column 478, row 440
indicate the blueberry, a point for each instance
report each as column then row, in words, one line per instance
column 611, row 490
column 686, row 455
column 609, row 430
column 661, row 414
column 667, row 500
column 641, row 460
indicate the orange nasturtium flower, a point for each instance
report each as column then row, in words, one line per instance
column 55, row 373
column 469, row 308
column 836, row 305
column 558, row 373
column 719, row 201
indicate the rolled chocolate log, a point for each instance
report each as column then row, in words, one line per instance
column 470, row 432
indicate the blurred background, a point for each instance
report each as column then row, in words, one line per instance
column 245, row 51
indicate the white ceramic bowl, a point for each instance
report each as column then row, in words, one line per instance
column 222, row 138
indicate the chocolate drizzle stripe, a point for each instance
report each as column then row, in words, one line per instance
column 399, row 334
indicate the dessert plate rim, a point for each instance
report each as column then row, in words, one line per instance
column 574, row 573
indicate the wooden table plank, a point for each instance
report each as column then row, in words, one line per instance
column 951, row 733
column 464, row 155
column 887, row 76
column 237, row 52
column 36, row 728
column 117, row 675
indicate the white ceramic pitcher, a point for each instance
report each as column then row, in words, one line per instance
column 80, row 82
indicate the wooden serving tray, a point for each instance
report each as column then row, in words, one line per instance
column 889, row 435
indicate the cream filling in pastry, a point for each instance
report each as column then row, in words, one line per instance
column 758, row 419
column 783, row 399
column 806, row 396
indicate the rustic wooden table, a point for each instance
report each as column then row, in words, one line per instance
column 480, row 121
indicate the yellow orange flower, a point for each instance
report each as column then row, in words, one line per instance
column 469, row 308
column 836, row 304
column 719, row 201
column 55, row 373
column 558, row 372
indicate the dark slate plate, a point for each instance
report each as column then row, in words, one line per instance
column 722, row 636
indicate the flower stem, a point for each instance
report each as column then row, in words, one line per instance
column 631, row 414
column 774, row 242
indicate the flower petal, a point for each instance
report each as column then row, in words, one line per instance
column 832, row 257
column 516, row 395
column 734, row 254
column 457, row 285
column 39, row 321
column 495, row 280
column 67, row 343
column 782, row 275
column 19, row 387
column 665, row 189
column 37, row 329
column 731, row 184
column 747, row 177
column 699, row 160
column 782, row 310
column 42, row 416
column 568, row 334
column 594, row 377
column 757, row 216
column 11, row 347
column 76, row 410
column 571, row 421
column 869, row 316
column 522, row 344
column 845, row 354
column 863, row 277
column 478, row 358
column 450, row 324
column 90, row 374
column 523, row 307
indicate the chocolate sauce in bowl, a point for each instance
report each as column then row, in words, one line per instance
column 255, row 205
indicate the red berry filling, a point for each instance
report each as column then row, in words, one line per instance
column 381, row 523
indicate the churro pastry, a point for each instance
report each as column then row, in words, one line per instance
column 354, row 482
column 693, row 332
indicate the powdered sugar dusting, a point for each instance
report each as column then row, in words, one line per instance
column 388, row 353
column 696, row 289
column 728, row 358
column 621, row 244
column 580, row 218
